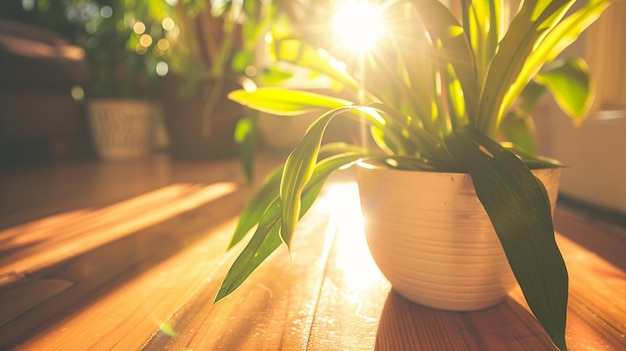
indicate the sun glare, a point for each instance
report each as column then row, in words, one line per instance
column 358, row 25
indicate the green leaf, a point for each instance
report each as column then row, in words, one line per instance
column 299, row 169
column 410, row 163
column 443, row 28
column 517, row 125
column 263, row 199
column 519, row 129
column 562, row 35
column 519, row 209
column 555, row 41
column 482, row 21
column 254, row 211
column 300, row 163
column 285, row 102
column 504, row 80
column 533, row 161
column 416, row 136
column 266, row 239
column 245, row 137
column 568, row 82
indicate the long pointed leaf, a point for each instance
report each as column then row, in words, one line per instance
column 532, row 22
column 520, row 212
column 445, row 29
column 253, row 212
column 299, row 169
column 560, row 37
column 266, row 238
column 285, row 102
column 482, row 22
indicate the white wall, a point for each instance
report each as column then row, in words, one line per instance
column 595, row 152
column 595, row 155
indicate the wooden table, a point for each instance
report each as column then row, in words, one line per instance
column 129, row 256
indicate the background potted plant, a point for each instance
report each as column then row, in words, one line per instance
column 213, row 47
column 120, row 93
column 217, row 47
column 439, row 94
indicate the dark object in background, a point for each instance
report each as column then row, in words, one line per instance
column 39, row 119
column 184, row 120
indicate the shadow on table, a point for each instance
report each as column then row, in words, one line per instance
column 405, row 325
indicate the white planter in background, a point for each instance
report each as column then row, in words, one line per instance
column 594, row 153
column 432, row 239
column 122, row 128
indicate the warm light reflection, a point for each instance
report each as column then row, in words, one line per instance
column 145, row 40
column 359, row 269
column 139, row 27
column 168, row 23
column 48, row 241
column 358, row 25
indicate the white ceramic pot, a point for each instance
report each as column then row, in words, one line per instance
column 432, row 239
column 122, row 128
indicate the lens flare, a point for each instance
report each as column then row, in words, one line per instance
column 358, row 25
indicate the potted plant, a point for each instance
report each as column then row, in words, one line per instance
column 212, row 49
column 120, row 93
column 441, row 96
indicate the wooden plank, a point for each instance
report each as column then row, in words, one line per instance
column 273, row 310
column 35, row 247
column 354, row 290
column 121, row 289
column 597, row 295
column 602, row 238
column 27, row 294
column 149, row 281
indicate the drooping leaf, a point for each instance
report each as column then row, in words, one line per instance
column 301, row 162
column 285, row 102
column 254, row 211
column 266, row 239
column 524, row 225
column 298, row 170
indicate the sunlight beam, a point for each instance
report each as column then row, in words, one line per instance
column 358, row 25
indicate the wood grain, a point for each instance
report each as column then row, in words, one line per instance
column 133, row 262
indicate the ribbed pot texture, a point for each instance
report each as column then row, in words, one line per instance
column 122, row 128
column 432, row 239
